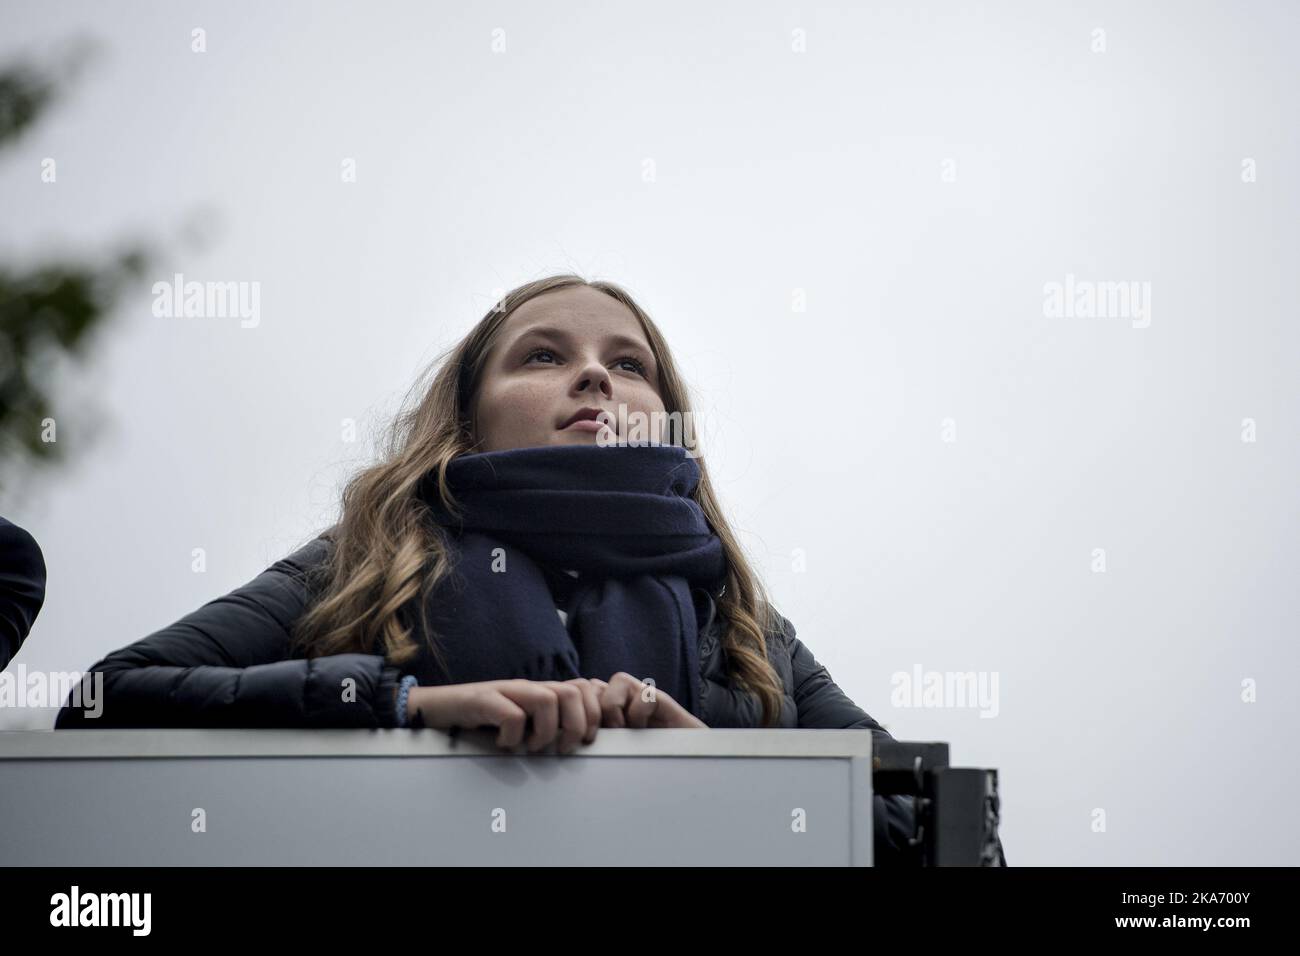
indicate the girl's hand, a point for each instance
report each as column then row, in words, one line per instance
column 626, row 701
column 567, row 709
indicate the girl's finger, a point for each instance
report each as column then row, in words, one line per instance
column 612, row 699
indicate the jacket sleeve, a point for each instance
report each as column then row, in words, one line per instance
column 22, row 587
column 229, row 664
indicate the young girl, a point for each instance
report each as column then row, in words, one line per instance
column 513, row 562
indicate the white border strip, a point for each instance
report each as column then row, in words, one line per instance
column 402, row 742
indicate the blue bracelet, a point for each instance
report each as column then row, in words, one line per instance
column 404, row 691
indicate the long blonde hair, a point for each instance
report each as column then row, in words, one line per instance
column 388, row 553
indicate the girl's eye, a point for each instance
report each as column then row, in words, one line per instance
column 536, row 352
column 637, row 365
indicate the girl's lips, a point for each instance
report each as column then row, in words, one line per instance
column 585, row 425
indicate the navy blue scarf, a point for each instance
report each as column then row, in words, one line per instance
column 621, row 516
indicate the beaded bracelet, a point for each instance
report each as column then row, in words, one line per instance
column 404, row 691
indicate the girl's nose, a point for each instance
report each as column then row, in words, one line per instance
column 593, row 378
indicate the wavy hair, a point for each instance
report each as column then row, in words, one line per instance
column 388, row 554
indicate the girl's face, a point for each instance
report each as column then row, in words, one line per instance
column 559, row 353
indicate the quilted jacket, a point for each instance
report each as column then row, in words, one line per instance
column 22, row 587
column 228, row 664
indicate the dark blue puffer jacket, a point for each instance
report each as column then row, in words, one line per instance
column 229, row 664
column 22, row 587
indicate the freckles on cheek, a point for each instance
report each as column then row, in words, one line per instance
column 520, row 403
